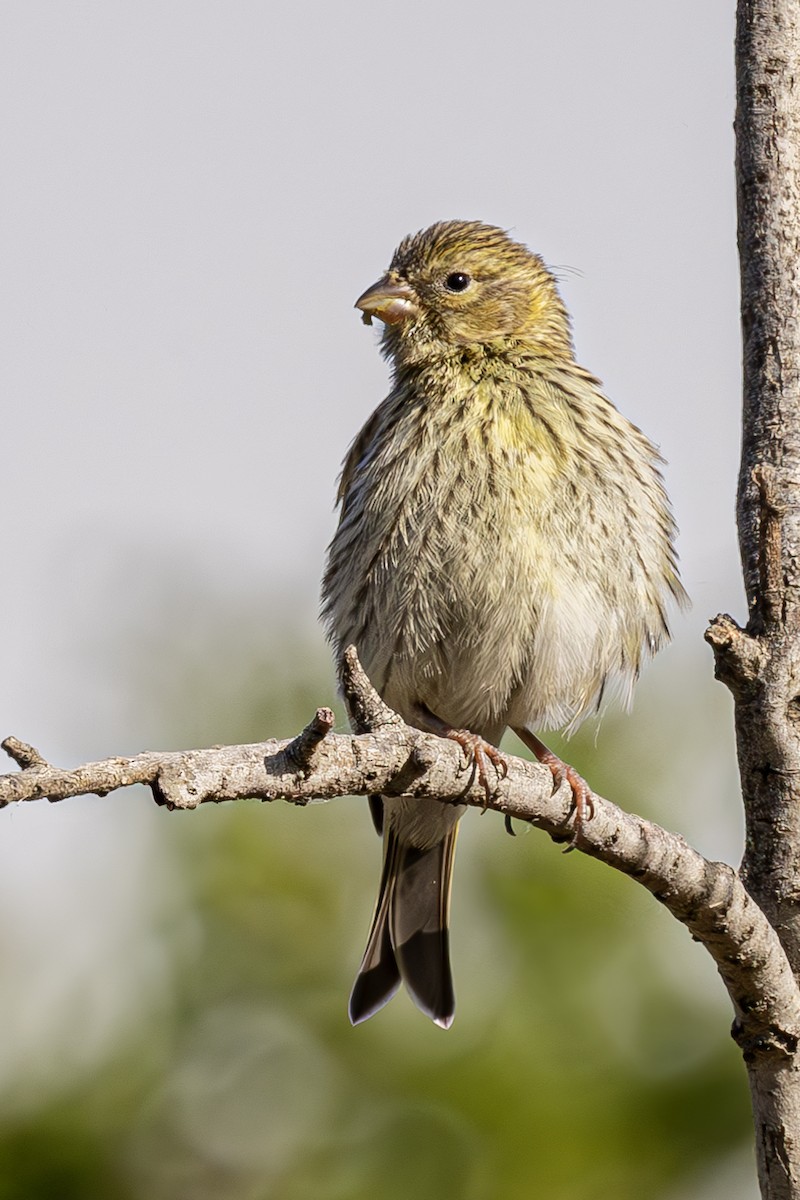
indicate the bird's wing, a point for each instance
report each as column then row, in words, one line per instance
column 354, row 456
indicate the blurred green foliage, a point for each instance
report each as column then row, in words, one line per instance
column 590, row 1055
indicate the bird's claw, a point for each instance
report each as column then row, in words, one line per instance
column 479, row 753
column 582, row 796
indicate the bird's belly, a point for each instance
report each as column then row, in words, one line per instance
column 485, row 623
column 513, row 656
column 476, row 596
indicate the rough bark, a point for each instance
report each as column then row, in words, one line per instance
column 761, row 664
column 393, row 758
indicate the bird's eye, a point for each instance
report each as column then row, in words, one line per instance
column 457, row 282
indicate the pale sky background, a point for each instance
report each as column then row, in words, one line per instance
column 193, row 196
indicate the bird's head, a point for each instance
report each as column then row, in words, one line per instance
column 462, row 283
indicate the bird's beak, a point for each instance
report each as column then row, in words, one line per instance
column 389, row 301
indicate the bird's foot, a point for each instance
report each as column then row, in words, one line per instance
column 582, row 797
column 479, row 753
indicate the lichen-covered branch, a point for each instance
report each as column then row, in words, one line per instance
column 393, row 758
column 761, row 663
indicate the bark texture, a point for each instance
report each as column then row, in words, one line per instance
column 761, row 664
column 392, row 758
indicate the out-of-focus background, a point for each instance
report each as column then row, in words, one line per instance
column 194, row 194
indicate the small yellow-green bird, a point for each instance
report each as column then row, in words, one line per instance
column 504, row 555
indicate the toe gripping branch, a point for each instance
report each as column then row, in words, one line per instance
column 479, row 753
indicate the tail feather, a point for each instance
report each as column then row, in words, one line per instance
column 377, row 983
column 409, row 936
column 379, row 975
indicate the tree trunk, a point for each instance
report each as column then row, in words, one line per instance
column 767, row 692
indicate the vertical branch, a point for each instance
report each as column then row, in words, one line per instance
column 768, row 194
column 768, row 709
column 761, row 664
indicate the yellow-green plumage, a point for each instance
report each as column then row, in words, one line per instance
column 505, row 548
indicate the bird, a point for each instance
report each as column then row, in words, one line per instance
column 504, row 557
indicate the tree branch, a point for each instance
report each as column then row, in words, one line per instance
column 761, row 664
column 393, row 758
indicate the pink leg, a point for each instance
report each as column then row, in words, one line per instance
column 477, row 751
column 582, row 800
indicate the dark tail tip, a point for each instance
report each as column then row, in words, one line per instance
column 424, row 962
column 371, row 990
column 376, row 984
